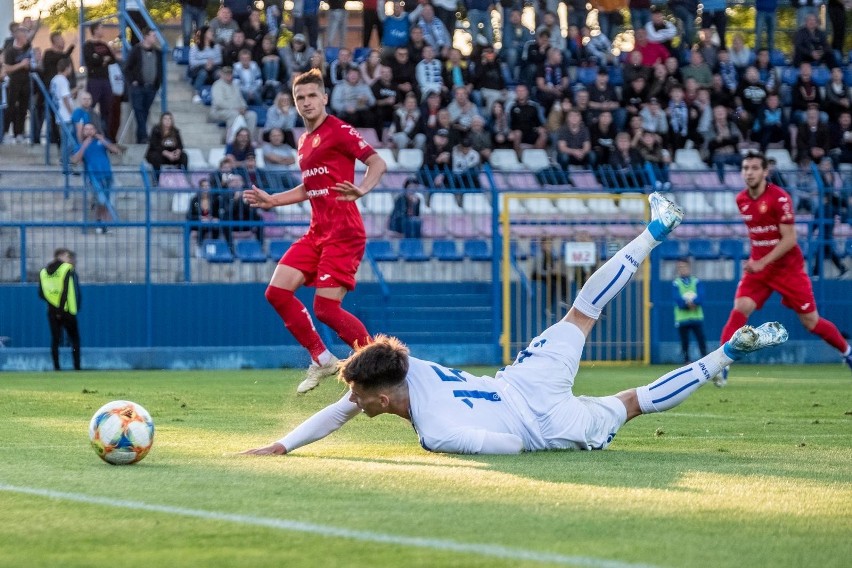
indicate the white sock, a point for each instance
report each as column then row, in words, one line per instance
column 848, row 351
column 673, row 388
column 609, row 279
column 325, row 357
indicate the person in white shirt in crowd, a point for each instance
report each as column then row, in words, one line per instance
column 228, row 104
column 428, row 73
column 60, row 90
column 434, row 31
column 405, row 120
column 249, row 78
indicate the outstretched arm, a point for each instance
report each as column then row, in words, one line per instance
column 318, row 426
column 257, row 197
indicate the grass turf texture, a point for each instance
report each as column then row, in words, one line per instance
column 757, row 474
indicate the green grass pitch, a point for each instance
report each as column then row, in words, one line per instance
column 756, row 474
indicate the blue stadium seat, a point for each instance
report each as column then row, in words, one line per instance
column 180, row 55
column 847, row 76
column 249, row 251
column 702, row 249
column 477, row 249
column 206, row 95
column 360, row 54
column 411, row 250
column 587, row 75
column 381, row 251
column 847, row 250
column 731, row 248
column 214, row 250
column 331, row 54
column 278, row 248
column 616, row 77
column 789, row 75
column 670, row 250
column 260, row 111
column 777, row 58
column 821, row 76
column 446, row 251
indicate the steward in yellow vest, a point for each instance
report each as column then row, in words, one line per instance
column 59, row 287
column 688, row 294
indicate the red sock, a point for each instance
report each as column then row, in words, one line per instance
column 296, row 318
column 348, row 327
column 736, row 320
column 829, row 332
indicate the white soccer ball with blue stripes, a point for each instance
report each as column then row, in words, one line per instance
column 121, row 432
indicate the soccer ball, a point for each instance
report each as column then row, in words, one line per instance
column 689, row 296
column 121, row 432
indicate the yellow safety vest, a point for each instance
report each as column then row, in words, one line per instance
column 52, row 286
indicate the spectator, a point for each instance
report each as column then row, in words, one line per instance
column 404, row 130
column 437, row 160
column 370, row 21
column 812, row 138
column 633, row 68
column 387, row 97
column 659, row 87
column 429, row 115
column 627, row 164
column 223, row 174
column 60, row 91
column 306, row 20
column 770, row 126
column 720, row 94
column 603, row 98
column 598, row 48
column 84, row 114
column 550, row 22
column 837, row 17
column 428, row 74
column 435, row 33
column 714, row 14
column 677, row 114
column 749, row 98
column 635, row 95
column 500, row 127
column 810, row 44
column 416, row 43
column 741, row 55
column 466, row 162
column 685, row 11
column 479, row 16
column 371, row 68
column 602, row 134
column 396, row 28
column 192, row 13
column 353, row 102
column 836, row 95
column 165, row 146
column 404, row 72
column 577, row 13
column 764, row 19
column 526, row 121
column 254, row 29
column 462, row 110
column 698, row 69
column 488, row 81
column 552, row 80
column 805, row 8
column 841, row 139
column 534, row 56
column 228, row 104
column 280, row 159
column 573, row 145
column 640, row 13
column 296, row 56
column 767, row 73
column 231, row 50
column 654, row 119
column 205, row 212
column 659, row 29
column 336, row 24
column 456, row 72
column 282, row 114
column 609, row 15
column 445, row 10
column 723, row 142
column 480, row 138
column 223, row 26
column 657, row 160
column 239, row 148
column 337, row 69
column 688, row 296
column 824, row 220
column 144, row 73
column 726, row 69
column 240, row 9
column 93, row 152
column 652, row 53
column 707, row 48
column 249, row 78
column 97, row 56
column 805, row 94
column 515, row 37
column 581, row 103
column 248, row 218
column 205, row 59
column 51, row 58
column 405, row 217
column 271, row 67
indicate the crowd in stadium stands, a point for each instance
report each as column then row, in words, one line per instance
column 624, row 116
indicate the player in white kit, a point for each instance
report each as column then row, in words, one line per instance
column 529, row 405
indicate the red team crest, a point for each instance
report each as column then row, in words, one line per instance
column 316, row 141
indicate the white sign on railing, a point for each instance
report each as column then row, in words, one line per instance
column 580, row 254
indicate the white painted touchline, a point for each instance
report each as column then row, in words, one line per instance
column 490, row 550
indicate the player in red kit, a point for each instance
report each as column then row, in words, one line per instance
column 328, row 255
column 776, row 263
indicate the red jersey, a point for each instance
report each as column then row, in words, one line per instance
column 327, row 157
column 763, row 217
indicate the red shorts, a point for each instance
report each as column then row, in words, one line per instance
column 793, row 284
column 327, row 265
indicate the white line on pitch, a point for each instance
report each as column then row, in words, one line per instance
column 490, row 550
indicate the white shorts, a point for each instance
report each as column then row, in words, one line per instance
column 543, row 374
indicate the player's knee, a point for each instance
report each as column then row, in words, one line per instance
column 326, row 309
column 277, row 297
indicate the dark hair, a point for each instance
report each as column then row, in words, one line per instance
column 60, row 251
column 94, row 27
column 381, row 364
column 63, row 64
column 311, row 76
column 754, row 155
column 54, row 35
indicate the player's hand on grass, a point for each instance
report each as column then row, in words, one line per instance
column 348, row 191
column 274, row 449
column 256, row 197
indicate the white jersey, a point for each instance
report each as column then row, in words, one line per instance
column 454, row 411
